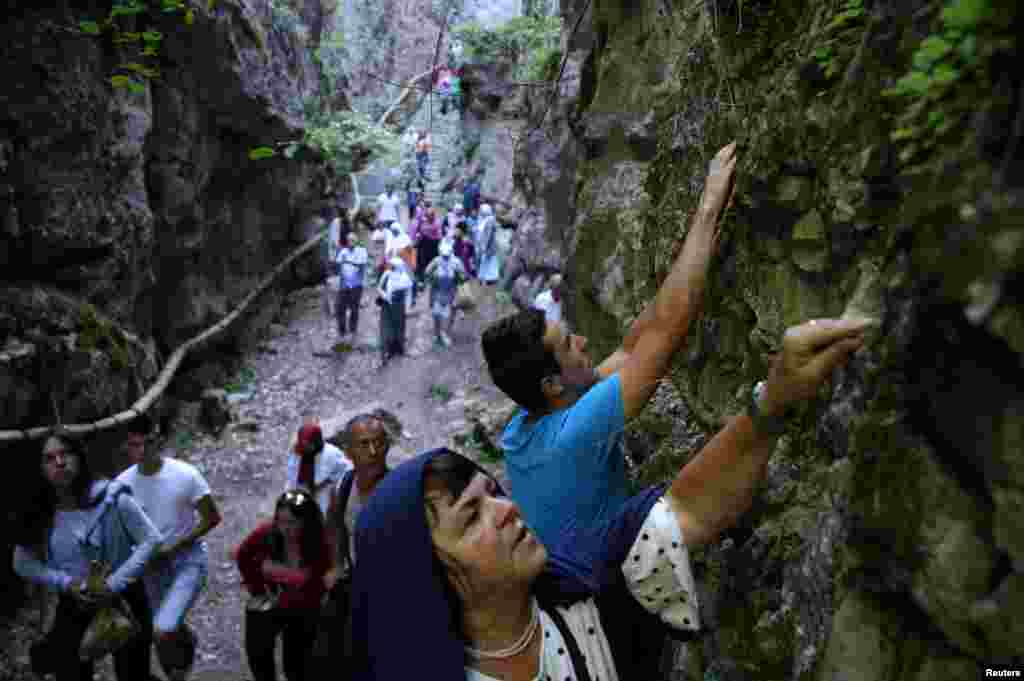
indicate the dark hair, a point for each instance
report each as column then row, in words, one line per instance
column 303, row 504
column 455, row 472
column 42, row 506
column 517, row 359
column 141, row 424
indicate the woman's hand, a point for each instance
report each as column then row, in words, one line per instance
column 810, row 352
column 91, row 594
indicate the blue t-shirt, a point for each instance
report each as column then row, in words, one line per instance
column 566, row 468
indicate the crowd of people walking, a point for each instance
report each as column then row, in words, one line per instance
column 382, row 574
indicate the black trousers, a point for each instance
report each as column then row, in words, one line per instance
column 426, row 250
column 348, row 309
column 392, row 326
column 131, row 663
column 297, row 629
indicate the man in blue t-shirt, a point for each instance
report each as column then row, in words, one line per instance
column 563, row 450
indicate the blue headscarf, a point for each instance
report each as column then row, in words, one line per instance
column 402, row 621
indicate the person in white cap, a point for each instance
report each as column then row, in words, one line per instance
column 391, row 293
column 550, row 300
column 444, row 273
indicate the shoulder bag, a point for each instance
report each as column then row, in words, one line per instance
column 333, row 632
column 112, row 627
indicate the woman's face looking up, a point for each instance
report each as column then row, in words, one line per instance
column 482, row 539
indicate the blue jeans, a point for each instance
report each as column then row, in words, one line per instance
column 173, row 586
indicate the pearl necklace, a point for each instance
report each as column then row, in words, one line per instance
column 514, row 649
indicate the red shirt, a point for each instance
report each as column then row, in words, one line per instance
column 303, row 587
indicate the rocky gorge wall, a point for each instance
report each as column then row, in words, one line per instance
column 130, row 222
column 887, row 542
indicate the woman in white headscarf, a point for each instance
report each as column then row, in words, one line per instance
column 488, row 245
column 391, row 293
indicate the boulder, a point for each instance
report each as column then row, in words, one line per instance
column 215, row 410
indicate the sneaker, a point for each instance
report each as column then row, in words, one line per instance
column 446, row 340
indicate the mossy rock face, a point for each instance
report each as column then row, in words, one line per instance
column 96, row 334
column 864, row 644
column 884, row 480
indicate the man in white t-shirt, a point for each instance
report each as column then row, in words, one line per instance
column 549, row 301
column 177, row 498
column 352, row 260
column 387, row 211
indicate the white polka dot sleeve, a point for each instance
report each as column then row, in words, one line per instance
column 658, row 573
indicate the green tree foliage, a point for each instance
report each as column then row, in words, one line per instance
column 530, row 42
column 126, row 27
column 957, row 56
column 540, row 8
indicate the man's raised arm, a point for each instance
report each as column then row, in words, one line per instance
column 662, row 327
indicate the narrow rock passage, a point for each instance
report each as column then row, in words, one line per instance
column 296, row 373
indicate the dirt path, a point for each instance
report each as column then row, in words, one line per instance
column 296, row 373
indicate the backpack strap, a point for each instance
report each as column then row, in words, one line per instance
column 108, row 504
column 578, row 661
column 342, row 493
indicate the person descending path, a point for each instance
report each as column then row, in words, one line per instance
column 445, row 273
column 367, row 441
column 387, row 212
column 352, row 262
column 177, row 498
column 427, row 234
column 549, row 301
column 76, row 520
column 283, row 562
column 315, row 465
column 423, row 153
column 392, row 290
column 464, row 251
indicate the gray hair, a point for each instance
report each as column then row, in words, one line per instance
column 345, row 436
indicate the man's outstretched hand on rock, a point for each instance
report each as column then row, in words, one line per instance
column 810, row 353
column 720, row 184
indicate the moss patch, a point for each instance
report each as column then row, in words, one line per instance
column 97, row 334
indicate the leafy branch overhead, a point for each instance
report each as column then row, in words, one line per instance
column 125, row 14
column 531, row 42
column 968, row 36
column 344, row 139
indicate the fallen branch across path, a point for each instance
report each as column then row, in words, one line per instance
column 164, row 379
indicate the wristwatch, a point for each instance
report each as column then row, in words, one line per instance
column 763, row 423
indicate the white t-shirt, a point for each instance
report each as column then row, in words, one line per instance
column 169, row 497
column 351, row 260
column 658, row 574
column 331, row 465
column 552, row 308
column 388, row 208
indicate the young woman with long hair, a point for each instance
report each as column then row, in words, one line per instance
column 283, row 562
column 75, row 520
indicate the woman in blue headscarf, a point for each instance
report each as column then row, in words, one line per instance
column 452, row 585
